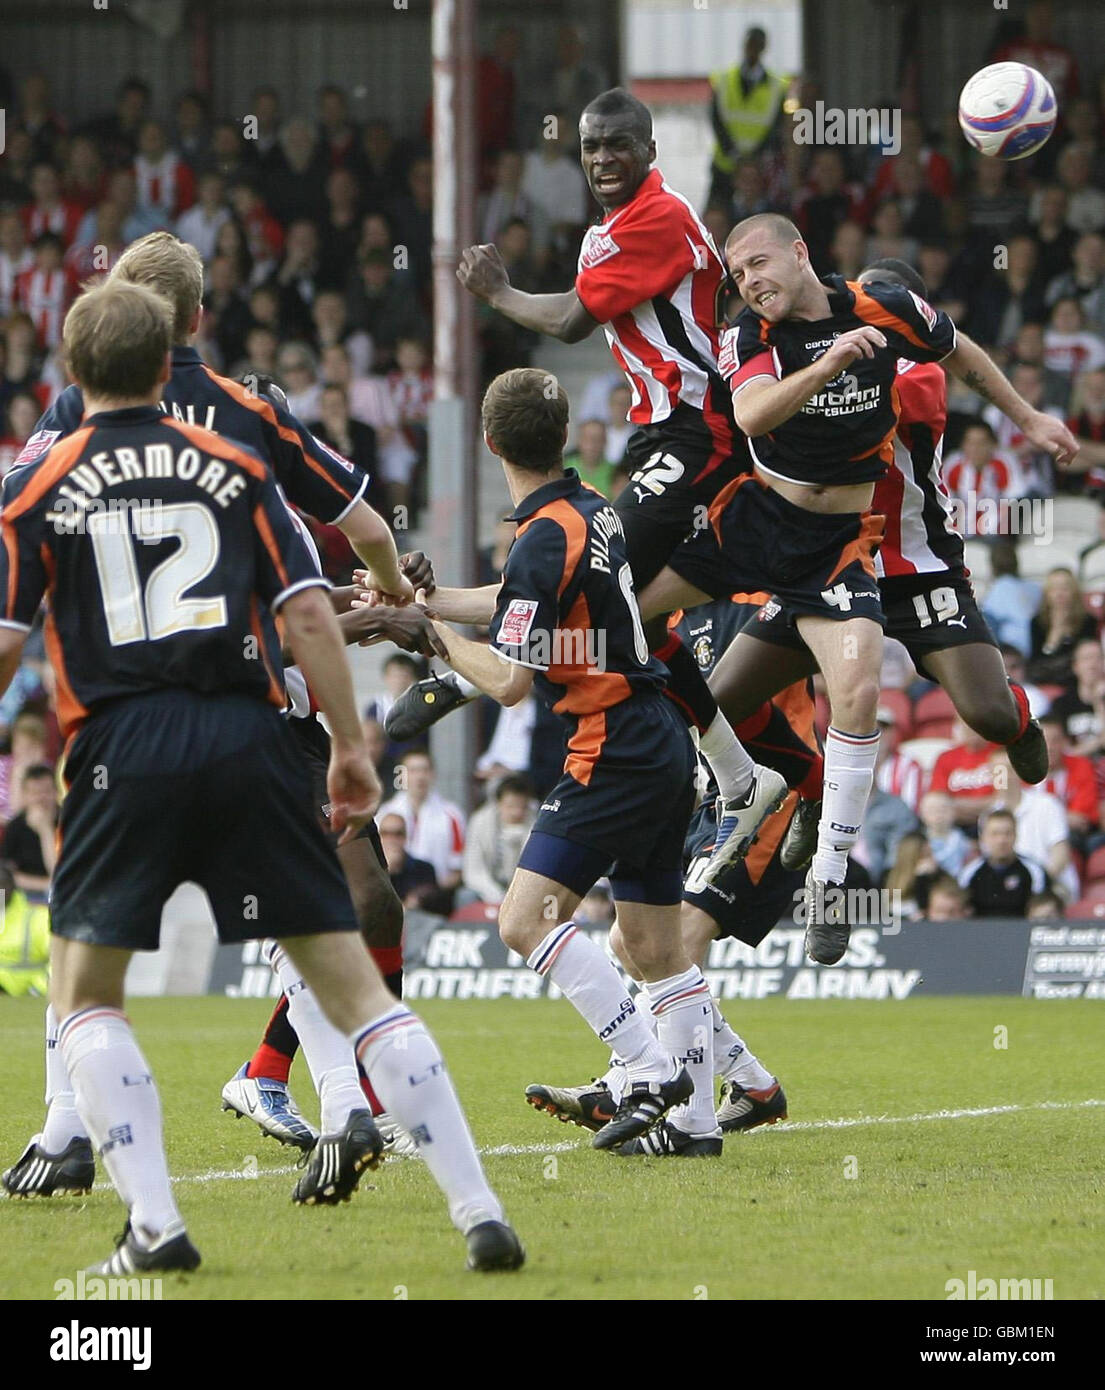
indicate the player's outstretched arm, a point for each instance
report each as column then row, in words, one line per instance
column 762, row 404
column 370, row 536
column 482, row 273
column 503, row 680
column 975, row 369
column 474, row 607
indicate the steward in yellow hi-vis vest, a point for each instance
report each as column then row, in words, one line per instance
column 745, row 104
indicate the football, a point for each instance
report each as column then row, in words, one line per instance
column 1007, row 110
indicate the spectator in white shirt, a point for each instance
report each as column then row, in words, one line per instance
column 371, row 401
column 495, row 836
column 1043, row 833
column 296, row 366
column 1068, row 346
column 435, row 827
column 1085, row 204
column 950, row 847
column 201, row 223
column 1011, row 602
column 553, row 182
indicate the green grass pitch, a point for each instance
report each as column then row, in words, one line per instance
column 810, row 1210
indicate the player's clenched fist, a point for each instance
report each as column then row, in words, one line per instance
column 482, row 271
column 857, row 342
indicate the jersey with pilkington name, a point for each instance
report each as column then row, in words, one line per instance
column 921, row 537
column 843, row 434
column 162, row 550
column 315, row 477
column 651, row 275
column 567, row 609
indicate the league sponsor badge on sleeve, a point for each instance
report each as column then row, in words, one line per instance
column 927, row 312
column 517, row 621
column 35, row 447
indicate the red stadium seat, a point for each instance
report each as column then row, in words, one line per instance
column 476, row 912
column 898, row 703
column 1095, row 866
column 936, row 704
column 934, row 728
column 1086, row 909
column 1094, row 892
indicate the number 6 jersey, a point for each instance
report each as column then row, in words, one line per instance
column 162, row 550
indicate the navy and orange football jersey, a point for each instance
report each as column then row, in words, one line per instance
column 162, row 550
column 314, row 477
column 567, row 607
column 844, row 433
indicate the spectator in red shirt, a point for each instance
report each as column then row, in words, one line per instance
column 338, row 137
column 83, row 179
column 496, row 93
column 1040, row 51
column 896, row 774
column 48, row 211
column 23, row 409
column 1072, row 779
column 937, row 172
column 964, row 772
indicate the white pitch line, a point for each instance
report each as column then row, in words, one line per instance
column 241, row 1174
column 785, row 1127
column 788, row 1127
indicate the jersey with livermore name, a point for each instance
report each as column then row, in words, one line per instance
column 843, row 434
column 567, row 608
column 314, row 477
column 162, row 551
column 650, row 273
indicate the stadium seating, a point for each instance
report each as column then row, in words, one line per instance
column 1093, row 576
column 1095, row 867
column 1075, row 518
column 900, row 706
column 933, row 715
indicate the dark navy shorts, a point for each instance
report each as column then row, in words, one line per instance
column 925, row 612
column 676, row 472
column 625, row 799
column 749, row 897
column 819, row 564
column 314, row 744
column 173, row 787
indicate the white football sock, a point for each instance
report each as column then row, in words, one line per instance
column 733, row 1060
column 683, row 1011
column 119, row 1104
column 728, row 759
column 62, row 1122
column 326, row 1051
column 585, row 975
column 849, row 773
column 407, row 1072
column 464, row 685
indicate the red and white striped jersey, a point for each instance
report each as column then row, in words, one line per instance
column 45, row 296
column 62, row 219
column 901, row 776
column 651, row 275
column 10, row 271
column 166, row 186
column 920, row 531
